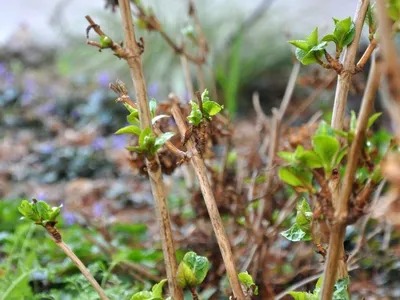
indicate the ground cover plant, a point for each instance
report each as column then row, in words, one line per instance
column 266, row 211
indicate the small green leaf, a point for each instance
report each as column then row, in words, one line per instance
column 204, row 96
column 307, row 57
column 160, row 141
column 137, row 149
column 339, row 156
column 329, row 38
column 324, row 129
column 27, row 210
column 370, row 18
column 195, row 115
column 146, row 133
column 153, row 107
column 159, row 117
column 295, row 234
column 133, row 118
column 340, row 289
column 157, row 288
column 246, row 279
column 319, row 47
column 211, row 108
column 288, row 156
column 301, row 44
column 44, row 210
column 312, row 39
column 286, row 175
column 302, row 296
column 304, row 216
column 344, row 32
column 192, row 270
column 310, row 159
column 326, row 148
column 373, row 118
column 131, row 129
column 145, row 295
column 55, row 212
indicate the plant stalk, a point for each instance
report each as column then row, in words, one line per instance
column 56, row 237
column 334, row 262
column 212, row 208
column 153, row 166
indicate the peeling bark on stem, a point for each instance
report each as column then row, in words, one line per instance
column 154, row 171
column 209, row 199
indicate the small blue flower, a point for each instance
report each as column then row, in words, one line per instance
column 69, row 217
column 98, row 210
column 103, row 79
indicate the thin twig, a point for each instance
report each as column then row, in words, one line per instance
column 336, row 248
column 85, row 272
column 367, row 106
column 153, row 166
column 212, row 208
column 344, row 79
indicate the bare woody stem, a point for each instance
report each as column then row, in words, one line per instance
column 344, row 79
column 367, row 106
column 336, row 248
column 75, row 259
column 153, row 167
column 209, row 199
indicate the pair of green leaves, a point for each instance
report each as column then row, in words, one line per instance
column 154, row 294
column 247, row 281
column 148, row 143
column 339, row 291
column 39, row 211
column 209, row 108
column 326, row 154
column 310, row 50
column 343, row 34
column 301, row 230
column 192, row 270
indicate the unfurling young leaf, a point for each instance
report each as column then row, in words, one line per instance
column 195, row 115
column 157, row 288
column 39, row 211
column 131, row 129
column 154, row 294
column 153, row 107
column 246, row 279
column 344, row 32
column 373, row 118
column 326, row 148
column 160, row 141
column 308, row 51
column 29, row 211
column 302, row 296
column 210, row 108
column 192, row 270
column 296, row 234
